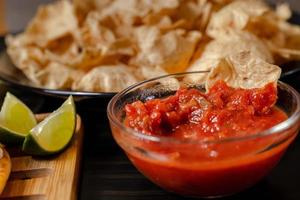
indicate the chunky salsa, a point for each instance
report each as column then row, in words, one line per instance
column 221, row 113
column 208, row 168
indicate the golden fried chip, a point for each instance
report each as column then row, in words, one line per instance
column 58, row 76
column 94, row 34
column 216, row 50
column 148, row 72
column 112, row 78
column 171, row 51
column 133, row 11
column 196, row 13
column 83, row 60
column 237, row 42
column 98, row 45
column 255, row 16
column 100, row 37
column 158, row 5
column 157, row 20
column 35, row 64
column 243, row 70
column 16, row 41
column 236, row 16
column 165, row 23
column 286, row 42
column 64, row 52
column 82, row 8
column 206, row 13
column 283, row 11
column 89, row 58
column 289, row 54
column 90, row 5
column 20, row 53
column 205, row 66
column 51, row 22
column 29, row 59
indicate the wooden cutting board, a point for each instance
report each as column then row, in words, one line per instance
column 51, row 178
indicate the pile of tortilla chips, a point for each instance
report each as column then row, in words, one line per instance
column 107, row 45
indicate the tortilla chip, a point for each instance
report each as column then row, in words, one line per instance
column 171, row 51
column 147, row 72
column 82, row 8
column 158, row 20
column 29, row 59
column 133, row 11
column 204, row 66
column 216, row 50
column 237, row 42
column 159, row 6
column 51, row 22
column 255, row 16
column 98, row 45
column 15, row 41
column 206, row 13
column 288, row 54
column 283, row 11
column 58, row 76
column 282, row 38
column 100, row 37
column 95, row 34
column 87, row 6
column 180, row 24
column 287, row 44
column 63, row 53
column 89, row 58
column 236, row 16
column 196, row 13
column 243, row 70
column 106, row 79
column 83, row 60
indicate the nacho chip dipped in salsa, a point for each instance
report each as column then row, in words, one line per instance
column 204, row 142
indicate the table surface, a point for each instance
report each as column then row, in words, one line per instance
column 106, row 173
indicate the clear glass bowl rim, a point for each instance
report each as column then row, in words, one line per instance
column 277, row 129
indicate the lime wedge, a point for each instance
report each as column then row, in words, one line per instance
column 16, row 120
column 54, row 133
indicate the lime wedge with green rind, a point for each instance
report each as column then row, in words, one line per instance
column 54, row 133
column 16, row 120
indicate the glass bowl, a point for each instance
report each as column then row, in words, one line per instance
column 202, row 168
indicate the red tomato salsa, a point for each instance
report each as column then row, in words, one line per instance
column 221, row 113
column 214, row 169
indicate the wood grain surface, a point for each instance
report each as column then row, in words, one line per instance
column 50, row 178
